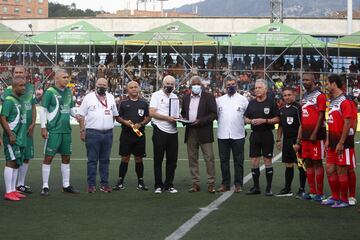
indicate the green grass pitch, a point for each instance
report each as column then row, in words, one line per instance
column 131, row 214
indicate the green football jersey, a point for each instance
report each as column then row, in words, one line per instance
column 58, row 104
column 16, row 118
column 27, row 100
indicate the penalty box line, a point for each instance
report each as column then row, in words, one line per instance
column 188, row 225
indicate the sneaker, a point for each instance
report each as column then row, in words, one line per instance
column 119, row 186
column 269, row 193
column 340, row 204
column 11, row 197
column 328, row 202
column 253, row 191
column 352, row 201
column 70, row 189
column 19, row 195
column 308, row 196
column 171, row 190
column 141, row 186
column 284, row 193
column 44, row 192
column 158, row 191
column 24, row 189
column 300, row 194
column 105, row 188
column 91, row 189
column 319, row 198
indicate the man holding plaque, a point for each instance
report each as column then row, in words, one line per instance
column 98, row 111
column 200, row 109
column 133, row 116
column 164, row 110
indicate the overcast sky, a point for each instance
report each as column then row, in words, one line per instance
column 113, row 5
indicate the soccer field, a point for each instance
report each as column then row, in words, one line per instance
column 132, row 214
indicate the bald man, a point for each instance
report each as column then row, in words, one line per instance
column 57, row 106
column 28, row 107
column 133, row 116
column 97, row 114
column 165, row 136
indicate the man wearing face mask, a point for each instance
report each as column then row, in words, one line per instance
column 231, row 134
column 97, row 113
column 200, row 109
column 165, row 136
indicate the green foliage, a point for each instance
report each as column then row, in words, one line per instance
column 60, row 10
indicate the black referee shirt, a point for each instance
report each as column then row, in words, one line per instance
column 290, row 120
column 266, row 109
column 136, row 111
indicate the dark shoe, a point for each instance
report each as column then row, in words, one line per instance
column 91, row 189
column 141, row 186
column 237, row 189
column 253, row 191
column 24, row 189
column 44, row 192
column 105, row 188
column 119, row 185
column 70, row 189
column 300, row 194
column 269, row 193
column 195, row 188
column 223, row 188
column 211, row 189
column 284, row 193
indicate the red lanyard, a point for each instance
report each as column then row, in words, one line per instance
column 102, row 103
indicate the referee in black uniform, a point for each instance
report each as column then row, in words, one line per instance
column 133, row 116
column 290, row 122
column 262, row 114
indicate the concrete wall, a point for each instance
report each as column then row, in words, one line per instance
column 209, row 25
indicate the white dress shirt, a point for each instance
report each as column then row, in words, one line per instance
column 97, row 116
column 194, row 106
column 161, row 102
column 231, row 123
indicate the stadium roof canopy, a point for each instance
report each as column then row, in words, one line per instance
column 274, row 35
column 80, row 33
column 173, row 34
column 351, row 41
column 9, row 36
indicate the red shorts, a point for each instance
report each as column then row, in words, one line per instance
column 313, row 150
column 347, row 158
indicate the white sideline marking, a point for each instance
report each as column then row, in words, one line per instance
column 189, row 224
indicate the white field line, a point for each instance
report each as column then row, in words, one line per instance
column 188, row 225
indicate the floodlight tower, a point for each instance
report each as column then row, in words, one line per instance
column 276, row 7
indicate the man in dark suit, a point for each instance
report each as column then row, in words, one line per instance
column 199, row 108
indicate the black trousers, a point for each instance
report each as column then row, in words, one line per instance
column 164, row 143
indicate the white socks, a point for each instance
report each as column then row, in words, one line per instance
column 45, row 175
column 22, row 174
column 8, row 175
column 65, row 171
column 14, row 178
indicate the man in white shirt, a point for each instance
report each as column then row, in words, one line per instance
column 164, row 109
column 231, row 134
column 97, row 112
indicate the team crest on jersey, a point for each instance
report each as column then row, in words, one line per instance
column 330, row 119
column 305, row 113
column 141, row 112
column 266, row 111
column 290, row 120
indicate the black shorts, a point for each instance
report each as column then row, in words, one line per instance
column 288, row 153
column 132, row 144
column 262, row 144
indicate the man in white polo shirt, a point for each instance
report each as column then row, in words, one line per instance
column 97, row 112
column 231, row 134
column 164, row 109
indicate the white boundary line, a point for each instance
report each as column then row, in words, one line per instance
column 189, row 224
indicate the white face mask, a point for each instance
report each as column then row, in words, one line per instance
column 196, row 89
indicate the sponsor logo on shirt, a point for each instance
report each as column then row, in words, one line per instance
column 266, row 111
column 290, row 120
column 141, row 112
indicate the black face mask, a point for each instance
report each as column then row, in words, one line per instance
column 168, row 89
column 101, row 91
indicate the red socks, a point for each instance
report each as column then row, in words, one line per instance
column 352, row 183
column 344, row 187
column 334, row 185
column 310, row 175
column 319, row 171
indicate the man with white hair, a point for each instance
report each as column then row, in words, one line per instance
column 57, row 105
column 262, row 114
column 164, row 109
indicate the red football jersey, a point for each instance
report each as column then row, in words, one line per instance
column 340, row 109
column 312, row 104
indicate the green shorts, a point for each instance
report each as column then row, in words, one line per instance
column 58, row 143
column 29, row 149
column 14, row 153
